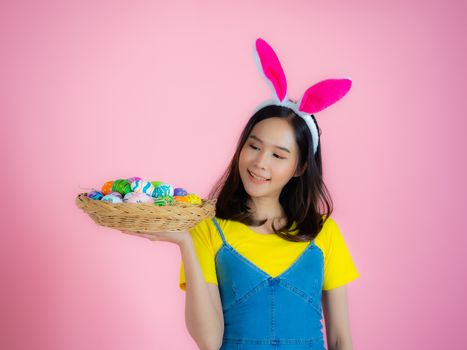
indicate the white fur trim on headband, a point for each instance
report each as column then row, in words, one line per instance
column 305, row 116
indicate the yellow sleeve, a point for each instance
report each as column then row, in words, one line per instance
column 202, row 239
column 339, row 268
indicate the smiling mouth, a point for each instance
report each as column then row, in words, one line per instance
column 254, row 176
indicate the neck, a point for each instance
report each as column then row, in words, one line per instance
column 266, row 208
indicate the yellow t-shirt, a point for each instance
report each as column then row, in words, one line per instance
column 269, row 252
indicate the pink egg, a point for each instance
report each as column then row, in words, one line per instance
column 138, row 197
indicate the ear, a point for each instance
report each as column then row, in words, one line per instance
column 272, row 68
column 324, row 94
column 302, row 171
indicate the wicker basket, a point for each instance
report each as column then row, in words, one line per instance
column 146, row 217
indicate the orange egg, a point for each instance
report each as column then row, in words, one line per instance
column 107, row 188
column 184, row 199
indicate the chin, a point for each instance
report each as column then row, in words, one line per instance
column 254, row 191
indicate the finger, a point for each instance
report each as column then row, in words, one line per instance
column 131, row 233
column 150, row 236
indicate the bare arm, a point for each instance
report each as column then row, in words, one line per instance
column 336, row 316
column 203, row 310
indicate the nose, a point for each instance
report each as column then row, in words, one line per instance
column 260, row 160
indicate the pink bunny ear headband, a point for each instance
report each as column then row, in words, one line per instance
column 316, row 98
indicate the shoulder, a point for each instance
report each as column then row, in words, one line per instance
column 339, row 267
column 329, row 228
column 329, row 234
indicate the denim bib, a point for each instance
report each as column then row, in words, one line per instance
column 264, row 312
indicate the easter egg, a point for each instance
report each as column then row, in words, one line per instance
column 148, row 188
column 137, row 186
column 157, row 183
column 111, row 198
column 116, row 194
column 194, row 199
column 163, row 190
column 182, row 199
column 169, row 200
column 107, row 187
column 136, row 197
column 131, row 179
column 121, row 186
column 160, row 201
column 180, row 191
column 166, row 200
column 142, row 187
column 96, row 195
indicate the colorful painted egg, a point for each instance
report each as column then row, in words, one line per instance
column 170, row 200
column 111, row 198
column 194, row 199
column 142, row 187
column 183, row 199
column 131, row 179
column 96, row 195
column 167, row 200
column 157, row 183
column 148, row 188
column 137, row 186
column 163, row 191
column 180, row 192
column 107, row 187
column 159, row 201
column 121, row 186
column 136, row 197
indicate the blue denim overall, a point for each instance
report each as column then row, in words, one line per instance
column 263, row 312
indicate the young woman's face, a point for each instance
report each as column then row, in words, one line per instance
column 270, row 153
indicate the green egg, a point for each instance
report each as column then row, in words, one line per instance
column 121, row 186
column 160, row 201
column 169, row 200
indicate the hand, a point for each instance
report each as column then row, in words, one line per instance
column 177, row 237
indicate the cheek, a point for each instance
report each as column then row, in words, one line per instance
column 244, row 156
column 242, row 160
column 285, row 171
column 241, row 157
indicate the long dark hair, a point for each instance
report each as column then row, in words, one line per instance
column 305, row 199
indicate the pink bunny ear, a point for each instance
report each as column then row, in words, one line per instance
column 324, row 94
column 272, row 68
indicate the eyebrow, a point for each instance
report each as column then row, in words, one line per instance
column 257, row 139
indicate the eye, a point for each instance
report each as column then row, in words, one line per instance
column 275, row 154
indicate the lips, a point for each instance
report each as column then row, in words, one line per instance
column 256, row 177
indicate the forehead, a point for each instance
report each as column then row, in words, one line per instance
column 274, row 132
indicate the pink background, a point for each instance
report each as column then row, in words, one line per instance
column 97, row 90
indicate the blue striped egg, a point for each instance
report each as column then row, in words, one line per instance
column 137, row 186
column 148, row 188
column 96, row 195
column 163, row 191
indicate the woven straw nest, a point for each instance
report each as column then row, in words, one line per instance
column 146, row 217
